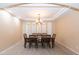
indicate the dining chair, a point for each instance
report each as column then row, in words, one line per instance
column 45, row 39
column 33, row 39
column 53, row 40
column 25, row 39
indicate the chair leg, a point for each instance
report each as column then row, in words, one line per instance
column 36, row 45
column 30, row 45
column 48, row 44
column 24, row 44
column 53, row 44
column 42, row 43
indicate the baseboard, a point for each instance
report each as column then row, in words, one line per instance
column 10, row 47
column 72, row 52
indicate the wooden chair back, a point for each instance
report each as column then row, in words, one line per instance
column 25, row 35
column 54, row 36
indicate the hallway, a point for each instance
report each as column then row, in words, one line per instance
column 18, row 49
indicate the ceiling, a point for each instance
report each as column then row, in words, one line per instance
column 29, row 12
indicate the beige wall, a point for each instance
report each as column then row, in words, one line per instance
column 10, row 30
column 67, row 30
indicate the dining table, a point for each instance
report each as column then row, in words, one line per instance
column 39, row 39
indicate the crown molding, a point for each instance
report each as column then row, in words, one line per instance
column 58, row 4
column 58, row 14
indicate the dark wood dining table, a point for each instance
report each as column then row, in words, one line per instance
column 36, row 40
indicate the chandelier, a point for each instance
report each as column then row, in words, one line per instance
column 38, row 21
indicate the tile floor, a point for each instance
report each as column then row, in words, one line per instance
column 18, row 49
